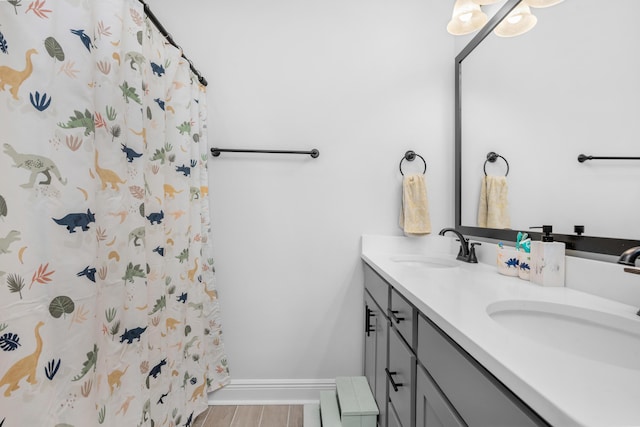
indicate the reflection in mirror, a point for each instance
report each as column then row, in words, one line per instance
column 568, row 86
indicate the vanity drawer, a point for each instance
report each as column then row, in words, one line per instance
column 479, row 398
column 377, row 287
column 402, row 315
column 400, row 376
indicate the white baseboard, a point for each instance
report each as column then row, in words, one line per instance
column 271, row 392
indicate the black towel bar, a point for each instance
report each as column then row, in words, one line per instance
column 583, row 158
column 215, row 152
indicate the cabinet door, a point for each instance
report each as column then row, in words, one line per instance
column 369, row 342
column 376, row 354
column 382, row 356
column 394, row 420
column 432, row 408
column 401, row 374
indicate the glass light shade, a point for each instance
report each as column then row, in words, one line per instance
column 467, row 17
column 518, row 22
column 542, row 3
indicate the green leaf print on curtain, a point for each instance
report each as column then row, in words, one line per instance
column 108, row 310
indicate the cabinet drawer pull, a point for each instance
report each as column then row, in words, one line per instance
column 367, row 326
column 394, row 384
column 396, row 318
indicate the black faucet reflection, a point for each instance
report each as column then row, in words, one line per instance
column 629, row 257
column 467, row 252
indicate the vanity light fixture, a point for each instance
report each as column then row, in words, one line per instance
column 487, row 2
column 518, row 22
column 467, row 17
column 542, row 3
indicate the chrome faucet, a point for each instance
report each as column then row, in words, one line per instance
column 466, row 253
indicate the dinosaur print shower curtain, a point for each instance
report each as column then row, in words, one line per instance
column 108, row 312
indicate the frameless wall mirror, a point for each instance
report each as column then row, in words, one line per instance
column 569, row 86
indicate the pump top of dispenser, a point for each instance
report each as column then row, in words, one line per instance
column 546, row 232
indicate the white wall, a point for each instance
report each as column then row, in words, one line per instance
column 362, row 81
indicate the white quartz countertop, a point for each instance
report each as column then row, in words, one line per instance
column 563, row 388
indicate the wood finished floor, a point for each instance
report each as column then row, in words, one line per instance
column 251, row 416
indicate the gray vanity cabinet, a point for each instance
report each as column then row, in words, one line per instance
column 376, row 298
column 477, row 396
column 421, row 377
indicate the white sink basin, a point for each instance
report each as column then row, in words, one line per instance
column 424, row 261
column 591, row 334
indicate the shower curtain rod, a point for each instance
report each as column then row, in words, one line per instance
column 167, row 36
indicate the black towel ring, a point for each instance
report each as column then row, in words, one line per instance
column 492, row 157
column 411, row 156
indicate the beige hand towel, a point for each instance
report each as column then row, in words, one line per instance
column 414, row 214
column 493, row 211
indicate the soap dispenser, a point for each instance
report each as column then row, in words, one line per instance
column 547, row 259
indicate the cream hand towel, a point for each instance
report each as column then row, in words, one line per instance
column 493, row 211
column 414, row 214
